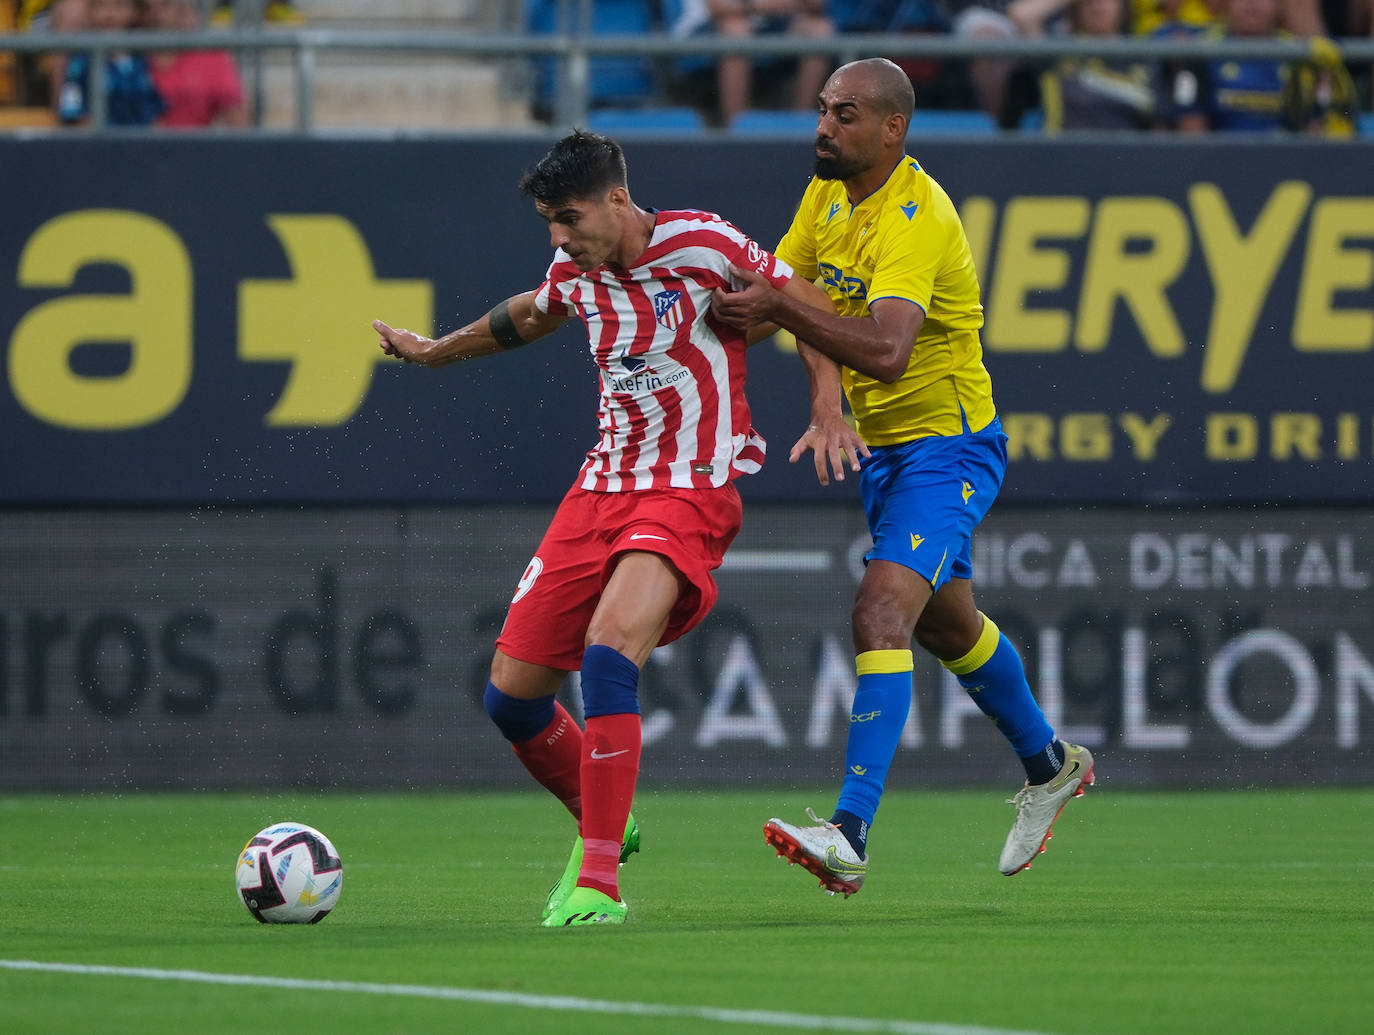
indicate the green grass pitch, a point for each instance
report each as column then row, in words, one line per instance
column 1218, row 912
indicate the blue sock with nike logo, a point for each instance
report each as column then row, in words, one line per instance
column 1044, row 766
column 994, row 677
column 876, row 720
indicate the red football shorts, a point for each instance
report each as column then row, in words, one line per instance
column 558, row 594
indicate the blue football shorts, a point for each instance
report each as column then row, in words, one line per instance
column 924, row 498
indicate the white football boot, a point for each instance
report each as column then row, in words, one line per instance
column 1038, row 806
column 820, row 849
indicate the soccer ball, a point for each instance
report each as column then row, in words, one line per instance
column 289, row 873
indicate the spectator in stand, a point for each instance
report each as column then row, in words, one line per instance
column 1337, row 19
column 1300, row 17
column 9, row 81
column 199, row 87
column 996, row 81
column 1090, row 93
column 1263, row 96
column 131, row 99
column 989, row 76
column 1149, row 16
column 274, row 12
column 745, row 18
column 1309, row 17
column 938, row 84
column 43, row 74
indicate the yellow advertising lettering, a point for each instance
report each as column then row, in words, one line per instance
column 1242, row 267
column 1145, row 435
column 1292, row 437
column 154, row 319
column 1029, row 435
column 1348, row 436
column 1137, row 249
column 1232, row 436
column 1138, row 279
column 1025, row 265
column 1295, row 435
column 1085, row 436
column 1330, row 267
column 1082, row 436
column 979, row 216
column 313, row 321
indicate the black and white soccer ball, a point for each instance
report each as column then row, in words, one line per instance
column 289, row 873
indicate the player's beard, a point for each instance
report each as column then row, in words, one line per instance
column 834, row 166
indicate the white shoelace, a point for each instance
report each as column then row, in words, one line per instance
column 818, row 821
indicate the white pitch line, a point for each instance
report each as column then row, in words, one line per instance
column 768, row 1018
column 777, row 560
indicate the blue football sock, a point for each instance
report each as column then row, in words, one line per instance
column 994, row 677
column 1042, row 766
column 610, row 682
column 877, row 717
column 853, row 828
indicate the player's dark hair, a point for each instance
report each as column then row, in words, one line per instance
column 579, row 167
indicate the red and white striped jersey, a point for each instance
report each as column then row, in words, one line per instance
column 673, row 411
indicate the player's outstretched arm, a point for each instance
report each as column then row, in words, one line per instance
column 877, row 345
column 510, row 324
column 803, row 291
column 833, row 442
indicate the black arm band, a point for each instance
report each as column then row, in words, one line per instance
column 503, row 327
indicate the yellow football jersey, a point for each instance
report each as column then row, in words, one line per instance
column 904, row 240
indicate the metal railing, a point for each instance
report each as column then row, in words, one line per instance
column 575, row 52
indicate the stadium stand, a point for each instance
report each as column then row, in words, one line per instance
column 925, row 121
column 354, row 89
column 646, row 120
column 614, row 81
column 767, row 122
column 948, row 120
column 402, row 90
column 9, row 64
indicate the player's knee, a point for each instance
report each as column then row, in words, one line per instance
column 881, row 621
column 876, row 630
column 518, row 719
column 948, row 634
column 938, row 640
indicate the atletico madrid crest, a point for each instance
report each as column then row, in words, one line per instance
column 668, row 308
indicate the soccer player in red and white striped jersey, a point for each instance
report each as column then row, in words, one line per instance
column 673, row 412
column 626, row 563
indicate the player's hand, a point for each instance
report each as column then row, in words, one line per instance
column 397, row 341
column 834, row 444
column 750, row 305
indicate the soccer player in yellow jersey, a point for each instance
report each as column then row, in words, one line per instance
column 886, row 243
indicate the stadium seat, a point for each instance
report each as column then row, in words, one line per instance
column 924, row 121
column 760, row 122
column 613, row 80
column 1365, row 124
column 890, row 16
column 646, row 120
column 928, row 121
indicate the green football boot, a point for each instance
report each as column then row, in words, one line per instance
column 584, row 907
column 563, row 888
